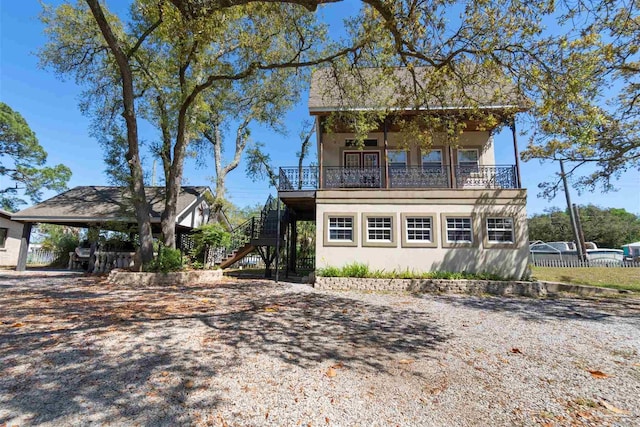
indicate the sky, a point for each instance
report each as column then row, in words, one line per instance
column 50, row 107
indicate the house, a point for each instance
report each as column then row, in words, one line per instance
column 10, row 234
column 631, row 250
column 396, row 204
column 108, row 208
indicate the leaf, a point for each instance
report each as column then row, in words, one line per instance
column 188, row 384
column 614, row 409
column 598, row 374
column 516, row 350
column 405, row 361
column 331, row 372
column 271, row 309
column 17, row 325
column 338, row 365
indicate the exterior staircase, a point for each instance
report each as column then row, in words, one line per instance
column 256, row 233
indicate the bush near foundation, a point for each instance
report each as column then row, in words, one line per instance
column 362, row 271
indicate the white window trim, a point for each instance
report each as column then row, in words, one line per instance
column 512, row 229
column 447, row 229
column 383, row 228
column 330, row 228
column 430, row 240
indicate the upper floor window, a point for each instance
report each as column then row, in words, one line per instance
column 397, row 159
column 500, row 230
column 468, row 159
column 432, row 160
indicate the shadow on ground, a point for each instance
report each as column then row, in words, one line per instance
column 81, row 347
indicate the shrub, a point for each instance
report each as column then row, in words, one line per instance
column 208, row 236
column 168, row 259
column 355, row 270
column 362, row 271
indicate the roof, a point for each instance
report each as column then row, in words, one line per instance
column 419, row 88
column 88, row 204
column 5, row 214
column 634, row 244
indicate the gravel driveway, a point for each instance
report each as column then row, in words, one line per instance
column 77, row 351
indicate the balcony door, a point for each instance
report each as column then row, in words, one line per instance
column 361, row 169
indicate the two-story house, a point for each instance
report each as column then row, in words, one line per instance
column 398, row 205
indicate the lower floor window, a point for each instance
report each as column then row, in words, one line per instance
column 419, row 229
column 341, row 229
column 3, row 236
column 459, row 230
column 379, row 229
column 500, row 230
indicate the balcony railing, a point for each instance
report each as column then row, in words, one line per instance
column 308, row 178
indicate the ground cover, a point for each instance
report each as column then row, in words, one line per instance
column 608, row 277
column 77, row 350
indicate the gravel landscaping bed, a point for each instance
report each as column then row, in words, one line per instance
column 78, row 350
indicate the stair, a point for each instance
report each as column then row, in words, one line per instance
column 237, row 255
column 256, row 232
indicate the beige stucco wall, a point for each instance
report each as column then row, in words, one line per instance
column 9, row 254
column 508, row 262
column 334, row 146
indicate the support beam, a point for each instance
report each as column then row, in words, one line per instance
column 24, row 247
column 293, row 243
column 386, row 154
column 320, row 184
column 452, row 178
column 516, row 153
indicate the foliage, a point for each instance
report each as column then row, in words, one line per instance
column 608, row 228
column 362, row 271
column 208, row 236
column 168, row 259
column 60, row 240
column 22, row 161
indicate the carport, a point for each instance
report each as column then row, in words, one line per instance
column 110, row 208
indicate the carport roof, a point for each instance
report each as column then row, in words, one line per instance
column 97, row 204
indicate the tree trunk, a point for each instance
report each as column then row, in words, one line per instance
column 136, row 184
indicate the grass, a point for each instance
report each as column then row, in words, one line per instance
column 616, row 278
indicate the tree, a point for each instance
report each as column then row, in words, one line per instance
column 608, row 228
column 22, row 161
column 172, row 53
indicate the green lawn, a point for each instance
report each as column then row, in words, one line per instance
column 618, row 278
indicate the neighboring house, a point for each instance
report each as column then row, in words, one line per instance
column 10, row 235
column 109, row 208
column 632, row 250
column 395, row 206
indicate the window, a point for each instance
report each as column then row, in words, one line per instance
column 418, row 229
column 468, row 160
column 432, row 161
column 379, row 229
column 3, row 236
column 397, row 159
column 500, row 230
column 340, row 229
column 459, row 230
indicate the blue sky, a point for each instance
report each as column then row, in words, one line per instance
column 50, row 106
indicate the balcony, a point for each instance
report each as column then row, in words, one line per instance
column 417, row 177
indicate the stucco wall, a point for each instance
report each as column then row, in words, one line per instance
column 9, row 254
column 508, row 262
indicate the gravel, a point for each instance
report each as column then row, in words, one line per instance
column 77, row 350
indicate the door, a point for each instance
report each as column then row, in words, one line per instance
column 361, row 169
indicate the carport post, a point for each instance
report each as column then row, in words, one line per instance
column 24, row 247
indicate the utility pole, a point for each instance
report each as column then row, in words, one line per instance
column 574, row 225
column 583, row 245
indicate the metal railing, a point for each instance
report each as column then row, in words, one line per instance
column 308, row 178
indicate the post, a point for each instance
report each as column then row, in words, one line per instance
column 515, row 152
column 574, row 225
column 386, row 154
column 278, row 240
column 24, row 247
column 293, row 243
column 583, row 244
column 320, row 183
column 452, row 178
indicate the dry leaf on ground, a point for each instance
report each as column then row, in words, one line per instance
column 331, row 372
column 406, row 361
column 612, row 408
column 516, row 350
column 598, row 374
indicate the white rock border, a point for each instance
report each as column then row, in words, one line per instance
column 473, row 287
column 193, row 277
